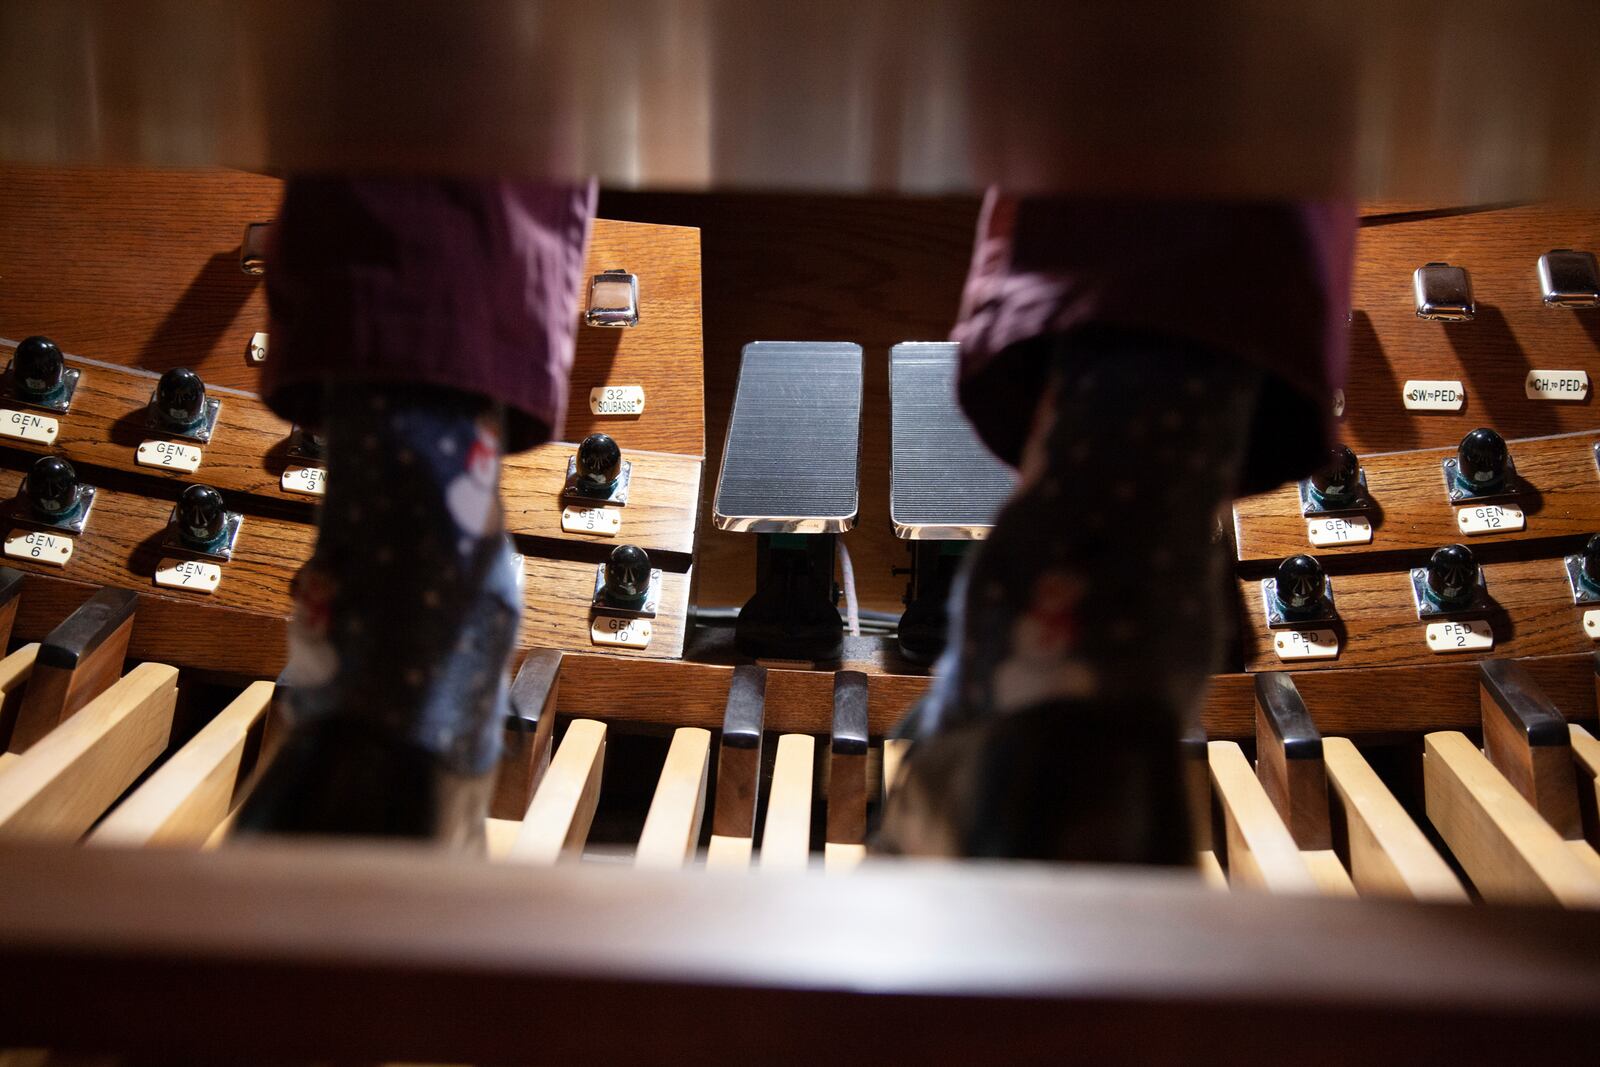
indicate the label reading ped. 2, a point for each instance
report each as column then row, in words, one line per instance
column 1467, row 635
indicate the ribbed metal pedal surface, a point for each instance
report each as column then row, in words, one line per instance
column 944, row 484
column 794, row 438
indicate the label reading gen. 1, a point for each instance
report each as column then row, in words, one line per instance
column 27, row 426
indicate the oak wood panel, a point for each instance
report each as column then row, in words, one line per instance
column 249, row 450
column 663, row 353
column 1532, row 615
column 1139, row 965
column 122, row 547
column 141, row 268
column 1513, row 332
column 1560, row 497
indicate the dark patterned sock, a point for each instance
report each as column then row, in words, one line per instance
column 1093, row 610
column 404, row 620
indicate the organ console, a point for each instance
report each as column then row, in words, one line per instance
column 1405, row 720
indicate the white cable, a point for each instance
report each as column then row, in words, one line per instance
column 852, row 613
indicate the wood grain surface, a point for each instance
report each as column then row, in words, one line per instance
column 1560, row 495
column 122, row 546
column 1531, row 613
column 141, row 268
column 1513, row 332
column 249, row 450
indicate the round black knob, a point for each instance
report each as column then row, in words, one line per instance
column 201, row 514
column 1482, row 459
column 627, row 575
column 599, row 463
column 1452, row 575
column 1591, row 561
column 36, row 368
column 52, row 486
column 180, row 397
column 1339, row 480
column 1301, row 583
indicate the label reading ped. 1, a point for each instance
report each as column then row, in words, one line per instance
column 1305, row 644
column 617, row 400
column 1490, row 518
column 27, row 426
column 1556, row 385
column 190, row 574
column 307, row 481
column 172, row 455
column 602, row 522
column 620, row 633
column 1339, row 530
column 54, row 549
column 1433, row 395
column 1467, row 635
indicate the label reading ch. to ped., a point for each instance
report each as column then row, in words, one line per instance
column 1433, row 396
column 1556, row 385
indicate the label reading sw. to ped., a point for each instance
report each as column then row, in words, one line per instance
column 1556, row 385
column 1433, row 395
column 26, row 426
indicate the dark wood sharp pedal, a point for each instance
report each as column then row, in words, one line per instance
column 847, row 773
column 528, row 729
column 733, row 821
column 1526, row 739
column 75, row 663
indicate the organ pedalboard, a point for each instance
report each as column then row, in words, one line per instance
column 1409, row 713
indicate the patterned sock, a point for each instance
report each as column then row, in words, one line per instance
column 1083, row 629
column 404, row 620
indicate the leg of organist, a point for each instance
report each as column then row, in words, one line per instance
column 424, row 327
column 1141, row 364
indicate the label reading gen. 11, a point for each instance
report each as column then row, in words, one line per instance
column 1339, row 530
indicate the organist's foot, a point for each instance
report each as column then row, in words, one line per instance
column 403, row 623
column 1083, row 629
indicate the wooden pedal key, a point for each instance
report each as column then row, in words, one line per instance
column 75, row 663
column 733, row 813
column 526, row 754
column 1197, row 784
column 1290, row 766
column 1526, row 739
column 1254, row 846
column 846, row 841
